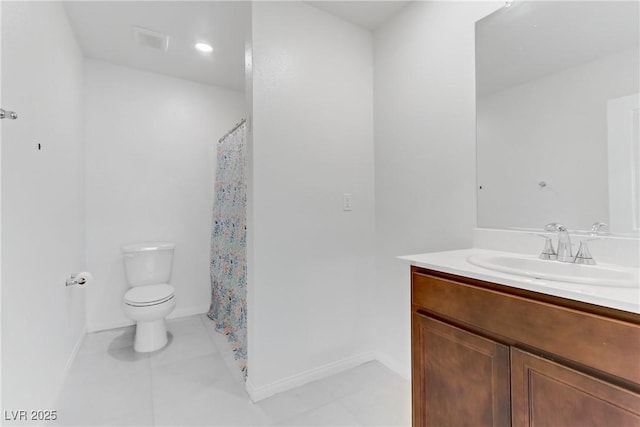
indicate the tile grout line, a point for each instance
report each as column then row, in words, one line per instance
column 340, row 401
column 206, row 329
column 153, row 406
column 233, row 366
column 313, row 409
column 349, row 411
column 359, row 389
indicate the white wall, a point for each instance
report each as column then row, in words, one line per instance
column 42, row 202
column 535, row 131
column 150, row 155
column 310, row 262
column 424, row 94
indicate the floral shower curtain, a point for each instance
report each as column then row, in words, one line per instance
column 228, row 264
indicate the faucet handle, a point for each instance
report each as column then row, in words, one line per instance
column 554, row 226
column 584, row 255
column 597, row 227
column 548, row 252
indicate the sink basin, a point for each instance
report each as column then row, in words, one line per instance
column 601, row 275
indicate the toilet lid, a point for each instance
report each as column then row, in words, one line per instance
column 149, row 294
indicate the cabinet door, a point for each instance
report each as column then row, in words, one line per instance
column 545, row 393
column 459, row 378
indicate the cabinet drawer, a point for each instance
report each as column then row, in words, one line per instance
column 607, row 345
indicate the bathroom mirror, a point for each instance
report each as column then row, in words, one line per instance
column 558, row 115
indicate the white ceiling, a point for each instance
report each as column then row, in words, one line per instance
column 532, row 39
column 366, row 14
column 104, row 30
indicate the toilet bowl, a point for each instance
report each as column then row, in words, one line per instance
column 151, row 299
column 148, row 306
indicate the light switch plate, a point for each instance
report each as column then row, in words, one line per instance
column 347, row 202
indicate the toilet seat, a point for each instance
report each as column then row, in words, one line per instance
column 148, row 295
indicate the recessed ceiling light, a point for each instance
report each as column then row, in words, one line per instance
column 204, row 47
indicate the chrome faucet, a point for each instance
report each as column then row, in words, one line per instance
column 564, row 242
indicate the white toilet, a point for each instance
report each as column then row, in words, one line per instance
column 151, row 298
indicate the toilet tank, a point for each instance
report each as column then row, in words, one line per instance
column 148, row 263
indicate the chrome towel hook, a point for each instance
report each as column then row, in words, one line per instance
column 8, row 114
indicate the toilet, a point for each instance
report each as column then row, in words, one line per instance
column 151, row 298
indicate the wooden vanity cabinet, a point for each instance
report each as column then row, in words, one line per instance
column 485, row 354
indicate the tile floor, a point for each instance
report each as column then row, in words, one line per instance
column 194, row 381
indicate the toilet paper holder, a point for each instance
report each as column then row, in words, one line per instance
column 80, row 279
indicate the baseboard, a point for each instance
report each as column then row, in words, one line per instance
column 391, row 363
column 105, row 326
column 257, row 393
column 189, row 311
column 70, row 360
column 121, row 323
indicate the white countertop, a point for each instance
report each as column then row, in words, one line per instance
column 455, row 262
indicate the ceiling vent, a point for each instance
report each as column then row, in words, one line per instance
column 150, row 39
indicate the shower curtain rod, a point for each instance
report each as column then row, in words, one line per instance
column 240, row 123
